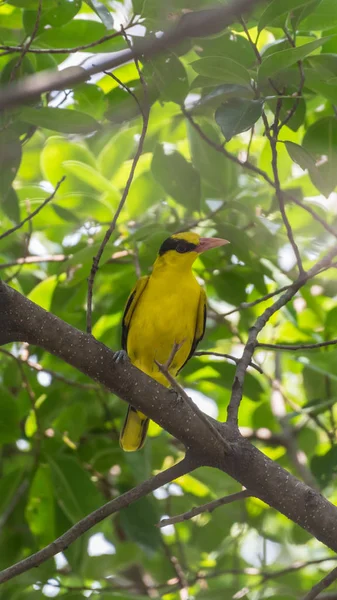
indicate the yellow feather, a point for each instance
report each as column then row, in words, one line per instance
column 167, row 308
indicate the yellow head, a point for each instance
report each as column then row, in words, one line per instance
column 181, row 249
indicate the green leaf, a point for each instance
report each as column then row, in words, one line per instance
column 321, row 362
column 177, row 176
column 276, row 9
column 286, row 58
column 324, row 467
column 40, row 509
column 92, row 177
column 229, row 45
column 321, row 141
column 60, row 119
column 222, row 69
column 55, row 13
column 10, row 205
column 43, row 292
column 300, row 155
column 9, row 484
column 102, row 12
column 323, row 16
column 219, row 172
column 237, row 115
column 170, row 77
column 9, row 418
column 117, row 150
column 73, row 488
column 10, row 159
column 139, row 522
column 90, row 99
column 76, row 33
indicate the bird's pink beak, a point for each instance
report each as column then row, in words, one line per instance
column 209, row 243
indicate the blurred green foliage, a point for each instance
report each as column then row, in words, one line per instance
column 59, row 452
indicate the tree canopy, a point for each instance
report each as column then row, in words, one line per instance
column 228, row 128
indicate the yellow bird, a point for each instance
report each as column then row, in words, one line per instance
column 165, row 308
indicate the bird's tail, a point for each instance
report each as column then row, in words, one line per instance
column 134, row 430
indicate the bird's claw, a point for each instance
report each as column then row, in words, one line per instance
column 120, row 356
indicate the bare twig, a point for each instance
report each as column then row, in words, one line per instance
column 220, row 148
column 26, row 247
column 35, row 212
column 209, row 507
column 28, row 260
column 229, row 356
column 322, row 585
column 25, row 47
column 95, row 263
column 108, row 509
column 300, row 87
column 296, row 346
column 101, row 40
column 233, row 408
column 251, row 167
column 271, row 134
column 245, row 305
column 126, row 88
column 182, row 394
column 37, row 367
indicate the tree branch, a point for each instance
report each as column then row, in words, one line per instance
column 63, row 542
column 229, row 356
column 237, row 388
column 209, row 507
column 22, row 320
column 322, row 585
column 145, row 111
column 193, row 24
column 35, row 212
column 295, row 347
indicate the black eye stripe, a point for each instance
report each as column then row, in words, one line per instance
column 178, row 245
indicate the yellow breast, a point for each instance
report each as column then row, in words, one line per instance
column 165, row 315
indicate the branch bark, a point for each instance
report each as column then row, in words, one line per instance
column 22, row 320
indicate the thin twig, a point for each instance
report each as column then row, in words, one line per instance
column 126, row 88
column 26, row 247
column 182, row 394
column 95, row 263
column 251, row 167
column 322, row 585
column 209, row 507
column 219, row 148
column 294, row 107
column 236, row 396
column 98, row 515
column 245, row 305
column 296, row 346
column 101, row 40
column 25, row 47
column 37, row 367
column 35, row 212
column 229, row 356
column 272, row 138
column 28, row 260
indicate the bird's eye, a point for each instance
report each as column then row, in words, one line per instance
column 182, row 247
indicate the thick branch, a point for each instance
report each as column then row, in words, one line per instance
column 22, row 320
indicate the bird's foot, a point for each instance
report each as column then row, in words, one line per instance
column 120, row 356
